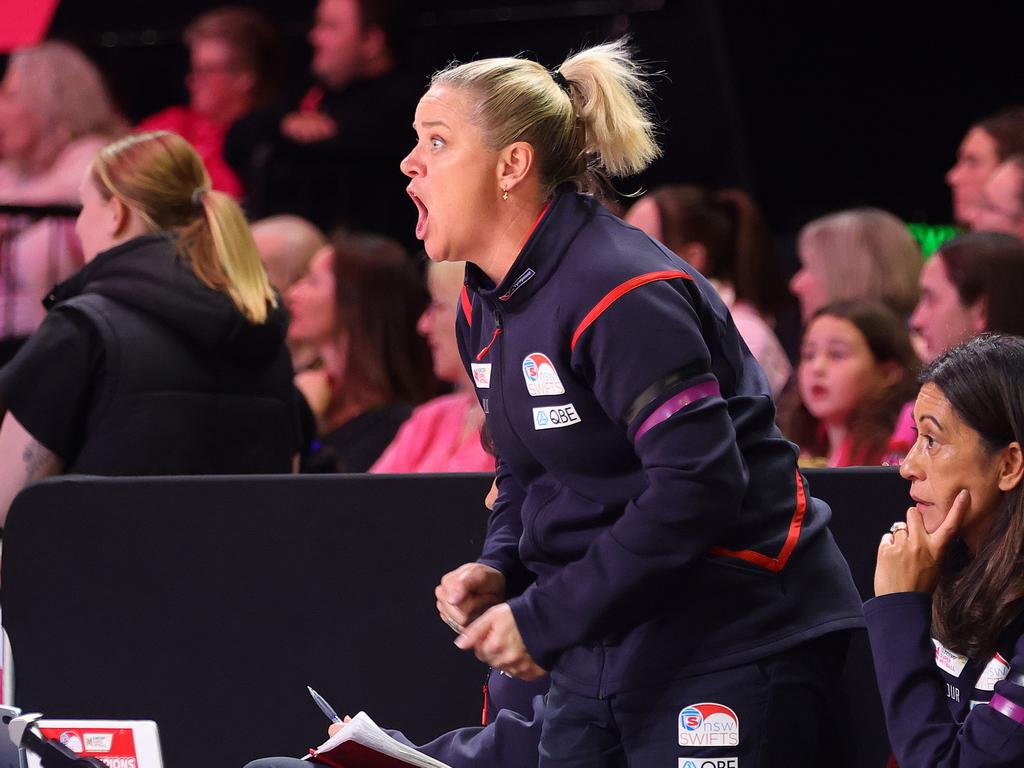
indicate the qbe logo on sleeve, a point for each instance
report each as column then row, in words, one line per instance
column 709, row 762
column 555, row 416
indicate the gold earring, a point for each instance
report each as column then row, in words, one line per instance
column 504, row 192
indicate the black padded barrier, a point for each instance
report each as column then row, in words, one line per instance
column 208, row 604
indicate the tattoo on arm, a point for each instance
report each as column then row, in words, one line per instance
column 39, row 461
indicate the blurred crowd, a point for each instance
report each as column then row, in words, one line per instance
column 376, row 383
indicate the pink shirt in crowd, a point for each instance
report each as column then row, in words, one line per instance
column 442, row 435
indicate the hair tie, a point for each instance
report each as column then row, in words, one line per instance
column 197, row 196
column 559, row 79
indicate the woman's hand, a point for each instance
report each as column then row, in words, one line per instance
column 333, row 728
column 468, row 591
column 908, row 557
column 496, row 641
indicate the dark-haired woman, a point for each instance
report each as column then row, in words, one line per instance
column 376, row 368
column 947, row 622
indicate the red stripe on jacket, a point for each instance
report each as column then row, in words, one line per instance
column 621, row 290
column 775, row 564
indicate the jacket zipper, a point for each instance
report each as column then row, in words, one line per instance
column 494, row 337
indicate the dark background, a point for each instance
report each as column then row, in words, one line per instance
column 810, row 106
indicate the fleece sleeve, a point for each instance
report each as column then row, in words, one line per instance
column 650, row 369
column 921, row 727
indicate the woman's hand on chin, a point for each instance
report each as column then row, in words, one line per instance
column 909, row 556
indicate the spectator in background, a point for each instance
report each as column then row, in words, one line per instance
column 165, row 353
column 973, row 284
column 723, row 235
column 235, row 57
column 55, row 114
column 1001, row 206
column 442, row 435
column 987, row 143
column 856, row 371
column 287, row 245
column 865, row 253
column 375, row 367
column 330, row 151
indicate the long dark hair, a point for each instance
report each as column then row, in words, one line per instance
column 873, row 420
column 980, row 594
column 379, row 297
column 736, row 239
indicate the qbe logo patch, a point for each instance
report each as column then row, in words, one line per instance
column 709, row 762
column 541, row 376
column 708, row 725
column 555, row 416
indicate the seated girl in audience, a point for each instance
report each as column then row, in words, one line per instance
column 949, row 588
column 375, row 367
column 443, row 435
column 858, row 254
column 723, row 235
column 856, row 371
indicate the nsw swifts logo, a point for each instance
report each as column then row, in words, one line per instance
column 541, row 377
column 708, row 725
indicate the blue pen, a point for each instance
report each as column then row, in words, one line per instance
column 326, row 708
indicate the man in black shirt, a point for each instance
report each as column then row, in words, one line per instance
column 329, row 151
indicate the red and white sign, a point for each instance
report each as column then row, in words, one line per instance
column 115, row 747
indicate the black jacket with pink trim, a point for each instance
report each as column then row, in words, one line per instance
column 651, row 521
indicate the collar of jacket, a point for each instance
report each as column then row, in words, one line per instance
column 568, row 212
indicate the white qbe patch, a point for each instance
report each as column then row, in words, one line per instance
column 555, row 417
column 708, row 725
column 541, row 377
column 481, row 375
column 709, row 762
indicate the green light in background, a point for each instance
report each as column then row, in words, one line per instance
column 931, row 236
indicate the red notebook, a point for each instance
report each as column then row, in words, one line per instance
column 362, row 744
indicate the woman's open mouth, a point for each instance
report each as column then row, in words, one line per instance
column 424, row 214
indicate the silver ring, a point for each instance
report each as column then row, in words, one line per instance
column 899, row 525
column 456, row 627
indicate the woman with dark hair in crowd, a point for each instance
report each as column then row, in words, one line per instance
column 165, row 353
column 949, row 583
column 375, row 367
column 443, row 434
column 973, row 284
column 55, row 115
column 856, row 371
column 985, row 145
column 641, row 477
column 722, row 234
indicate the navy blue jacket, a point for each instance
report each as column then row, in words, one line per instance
column 651, row 521
column 938, row 703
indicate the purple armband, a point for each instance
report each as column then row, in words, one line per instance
column 675, row 404
column 1004, row 706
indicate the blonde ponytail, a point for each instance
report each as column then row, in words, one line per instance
column 586, row 121
column 162, row 178
column 609, row 94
